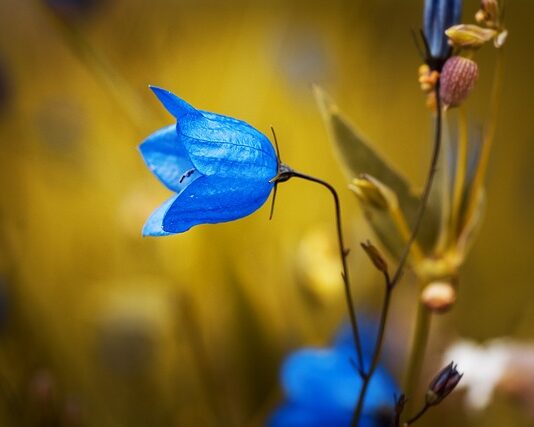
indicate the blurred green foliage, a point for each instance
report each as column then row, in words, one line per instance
column 100, row 327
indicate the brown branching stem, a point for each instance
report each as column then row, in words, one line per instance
column 422, row 412
column 391, row 283
column 286, row 173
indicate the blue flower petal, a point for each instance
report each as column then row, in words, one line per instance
column 174, row 105
column 221, row 145
column 154, row 224
column 213, row 199
column 438, row 16
column 167, row 158
column 228, row 147
column 324, row 378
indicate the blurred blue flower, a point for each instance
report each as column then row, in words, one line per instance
column 322, row 387
column 221, row 168
column 438, row 16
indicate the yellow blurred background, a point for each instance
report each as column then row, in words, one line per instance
column 101, row 327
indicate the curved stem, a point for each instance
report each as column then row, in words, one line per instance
column 343, row 255
column 422, row 412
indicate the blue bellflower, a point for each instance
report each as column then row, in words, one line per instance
column 438, row 16
column 220, row 168
column 322, row 387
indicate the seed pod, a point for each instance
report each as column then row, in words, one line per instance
column 458, row 78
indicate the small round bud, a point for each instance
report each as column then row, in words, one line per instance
column 439, row 296
column 458, row 78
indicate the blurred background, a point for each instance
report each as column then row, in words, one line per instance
column 101, row 327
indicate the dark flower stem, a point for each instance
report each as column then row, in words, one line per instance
column 426, row 193
column 343, row 252
column 391, row 283
column 376, row 353
column 417, row 416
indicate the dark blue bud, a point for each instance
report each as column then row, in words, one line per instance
column 438, row 16
column 443, row 384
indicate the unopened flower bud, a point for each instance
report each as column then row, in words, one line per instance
column 443, row 384
column 439, row 296
column 458, row 78
column 372, row 192
column 469, row 36
column 375, row 256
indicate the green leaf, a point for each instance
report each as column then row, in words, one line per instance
column 358, row 157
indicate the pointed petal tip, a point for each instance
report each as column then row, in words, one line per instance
column 157, row 89
column 174, row 104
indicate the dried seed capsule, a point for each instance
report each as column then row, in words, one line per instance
column 458, row 78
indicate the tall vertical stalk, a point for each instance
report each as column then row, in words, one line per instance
column 417, row 354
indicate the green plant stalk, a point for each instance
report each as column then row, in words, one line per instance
column 417, row 354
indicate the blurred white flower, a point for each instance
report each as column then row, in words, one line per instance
column 501, row 364
column 483, row 367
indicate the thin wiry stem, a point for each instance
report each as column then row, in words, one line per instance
column 422, row 412
column 377, row 351
column 343, row 252
column 391, row 283
column 426, row 192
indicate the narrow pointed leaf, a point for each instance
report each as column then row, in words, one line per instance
column 358, row 157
